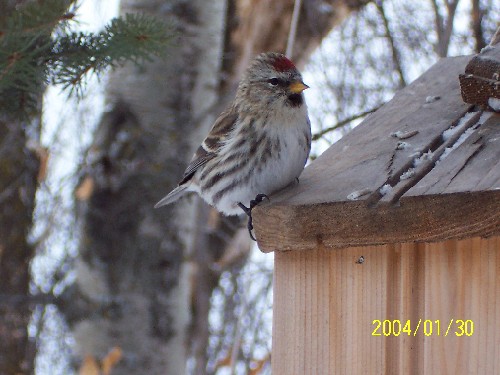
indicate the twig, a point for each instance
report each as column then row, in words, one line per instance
column 444, row 29
column 239, row 333
column 395, row 52
column 477, row 28
column 293, row 28
column 344, row 122
column 23, row 299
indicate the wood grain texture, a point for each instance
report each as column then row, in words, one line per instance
column 368, row 157
column 416, row 219
column 455, row 197
column 324, row 305
column 474, row 166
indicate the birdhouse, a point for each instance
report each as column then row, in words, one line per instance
column 387, row 251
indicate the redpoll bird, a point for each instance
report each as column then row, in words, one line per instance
column 257, row 146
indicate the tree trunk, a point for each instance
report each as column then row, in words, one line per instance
column 18, row 181
column 132, row 287
column 144, row 276
column 264, row 25
column 18, row 171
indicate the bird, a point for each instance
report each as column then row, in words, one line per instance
column 257, row 146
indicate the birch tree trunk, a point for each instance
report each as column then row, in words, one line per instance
column 144, row 276
column 132, row 288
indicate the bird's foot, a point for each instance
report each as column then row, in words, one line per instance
column 258, row 199
column 248, row 210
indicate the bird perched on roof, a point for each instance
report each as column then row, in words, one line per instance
column 257, row 146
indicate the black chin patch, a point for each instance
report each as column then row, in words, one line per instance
column 295, row 100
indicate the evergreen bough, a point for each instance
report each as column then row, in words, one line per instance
column 37, row 48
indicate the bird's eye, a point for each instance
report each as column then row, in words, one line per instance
column 273, row 81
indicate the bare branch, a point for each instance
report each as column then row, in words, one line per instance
column 451, row 7
column 438, row 20
column 477, row 28
column 396, row 57
column 444, row 28
column 344, row 123
column 293, row 28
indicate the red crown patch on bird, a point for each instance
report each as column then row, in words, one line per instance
column 282, row 64
column 230, row 170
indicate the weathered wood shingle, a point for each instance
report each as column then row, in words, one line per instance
column 398, row 147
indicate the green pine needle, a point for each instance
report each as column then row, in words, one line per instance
column 36, row 49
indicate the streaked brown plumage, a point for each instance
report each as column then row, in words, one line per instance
column 258, row 145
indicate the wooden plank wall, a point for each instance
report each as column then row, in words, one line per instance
column 325, row 303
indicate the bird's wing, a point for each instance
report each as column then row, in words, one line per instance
column 200, row 158
column 212, row 143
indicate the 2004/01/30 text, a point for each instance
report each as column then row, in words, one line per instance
column 457, row 327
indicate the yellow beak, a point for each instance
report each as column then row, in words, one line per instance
column 297, row 87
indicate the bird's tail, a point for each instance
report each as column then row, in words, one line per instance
column 175, row 194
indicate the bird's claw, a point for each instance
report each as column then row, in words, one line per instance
column 250, row 228
column 245, row 209
column 248, row 210
column 258, row 199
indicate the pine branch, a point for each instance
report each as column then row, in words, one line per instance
column 136, row 38
column 34, row 18
column 37, row 49
column 24, row 35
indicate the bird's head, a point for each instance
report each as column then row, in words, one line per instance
column 272, row 81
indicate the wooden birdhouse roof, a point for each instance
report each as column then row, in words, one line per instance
column 424, row 167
